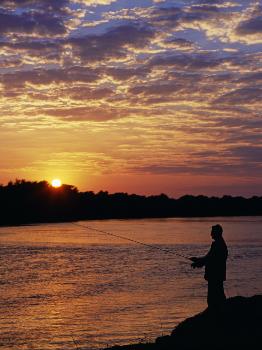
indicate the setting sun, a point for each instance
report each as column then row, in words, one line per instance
column 56, row 183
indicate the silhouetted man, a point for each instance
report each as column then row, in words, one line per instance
column 215, row 268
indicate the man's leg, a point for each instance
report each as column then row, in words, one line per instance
column 211, row 294
column 215, row 295
column 221, row 293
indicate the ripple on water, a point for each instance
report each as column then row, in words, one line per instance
column 62, row 290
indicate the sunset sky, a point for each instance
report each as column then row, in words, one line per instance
column 142, row 97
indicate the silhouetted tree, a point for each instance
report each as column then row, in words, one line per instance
column 24, row 202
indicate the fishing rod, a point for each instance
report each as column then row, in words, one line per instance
column 168, row 251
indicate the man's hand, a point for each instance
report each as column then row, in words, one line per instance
column 193, row 258
column 196, row 262
column 194, row 265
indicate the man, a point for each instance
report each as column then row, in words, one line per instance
column 215, row 268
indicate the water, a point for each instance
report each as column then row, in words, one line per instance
column 64, row 287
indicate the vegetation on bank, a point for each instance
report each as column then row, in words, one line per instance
column 24, row 202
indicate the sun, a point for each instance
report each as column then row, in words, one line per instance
column 56, row 183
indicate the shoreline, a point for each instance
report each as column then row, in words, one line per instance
column 237, row 325
column 32, row 223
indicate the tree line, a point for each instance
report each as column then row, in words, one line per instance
column 23, row 202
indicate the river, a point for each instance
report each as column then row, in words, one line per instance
column 66, row 287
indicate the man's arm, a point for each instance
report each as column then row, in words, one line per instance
column 201, row 261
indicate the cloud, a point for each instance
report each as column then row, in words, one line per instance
column 84, row 93
column 163, row 89
column 10, row 62
column 251, row 26
column 186, row 61
column 31, row 45
column 83, row 113
column 124, row 74
column 202, row 168
column 113, row 44
column 34, row 51
column 153, row 16
column 47, row 5
column 248, row 95
column 248, row 153
column 177, row 43
column 233, row 161
column 94, row 2
column 181, row 80
column 48, row 76
column 216, row 2
column 251, row 78
column 31, row 23
column 165, row 16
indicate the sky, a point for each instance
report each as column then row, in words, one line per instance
column 143, row 97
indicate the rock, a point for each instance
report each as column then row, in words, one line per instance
column 237, row 325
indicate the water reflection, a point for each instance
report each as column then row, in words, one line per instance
column 61, row 286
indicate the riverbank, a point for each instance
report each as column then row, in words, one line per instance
column 236, row 326
column 25, row 202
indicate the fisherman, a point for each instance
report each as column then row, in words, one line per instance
column 215, row 268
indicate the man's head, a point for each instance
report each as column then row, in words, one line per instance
column 216, row 231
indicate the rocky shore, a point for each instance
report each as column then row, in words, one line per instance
column 238, row 325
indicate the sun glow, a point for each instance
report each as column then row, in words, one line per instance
column 56, row 183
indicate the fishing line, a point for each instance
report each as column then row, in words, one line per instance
column 168, row 251
column 165, row 250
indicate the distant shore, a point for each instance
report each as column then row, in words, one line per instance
column 116, row 218
column 24, row 202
